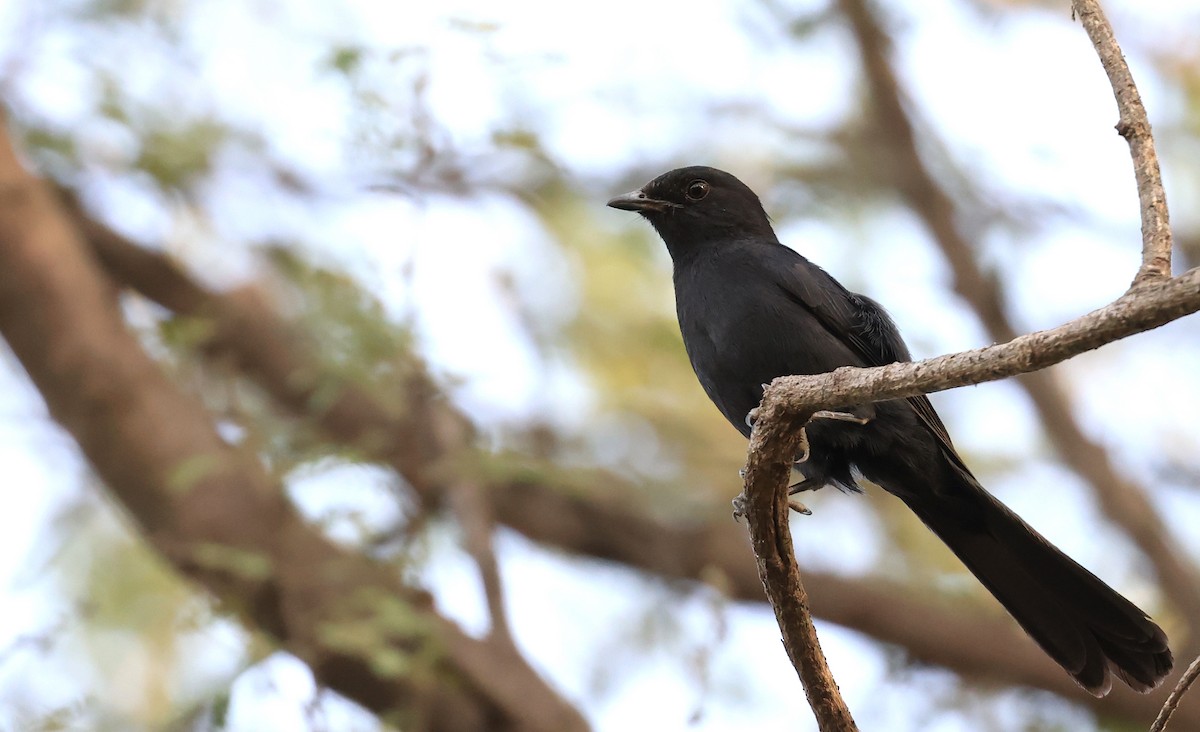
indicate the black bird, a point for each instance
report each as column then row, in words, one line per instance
column 751, row 309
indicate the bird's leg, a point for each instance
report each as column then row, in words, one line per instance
column 740, row 500
column 808, row 484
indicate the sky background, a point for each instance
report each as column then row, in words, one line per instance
column 1017, row 98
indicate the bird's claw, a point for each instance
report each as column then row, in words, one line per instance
column 803, row 454
column 799, row 508
column 740, row 502
column 840, row 416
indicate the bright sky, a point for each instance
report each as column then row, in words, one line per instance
column 1023, row 100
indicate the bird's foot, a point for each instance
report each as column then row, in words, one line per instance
column 741, row 504
column 840, row 416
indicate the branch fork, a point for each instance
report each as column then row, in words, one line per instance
column 1154, row 299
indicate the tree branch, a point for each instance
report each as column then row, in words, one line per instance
column 475, row 520
column 1172, row 703
column 774, row 445
column 1134, row 126
column 215, row 514
column 246, row 331
column 790, row 401
column 1150, row 306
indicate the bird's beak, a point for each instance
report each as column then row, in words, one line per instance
column 638, row 201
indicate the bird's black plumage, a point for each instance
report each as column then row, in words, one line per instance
column 751, row 309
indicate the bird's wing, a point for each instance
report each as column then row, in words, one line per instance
column 866, row 328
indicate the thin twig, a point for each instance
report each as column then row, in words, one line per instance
column 774, row 443
column 1134, row 126
column 1168, row 707
column 474, row 516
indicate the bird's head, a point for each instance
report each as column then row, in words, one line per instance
column 696, row 207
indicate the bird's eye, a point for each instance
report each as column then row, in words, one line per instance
column 696, row 190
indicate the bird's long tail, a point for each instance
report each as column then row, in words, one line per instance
column 1082, row 623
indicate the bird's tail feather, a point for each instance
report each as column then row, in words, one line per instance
column 1082, row 623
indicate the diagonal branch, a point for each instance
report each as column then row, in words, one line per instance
column 212, row 511
column 1172, row 704
column 244, row 329
column 1123, row 501
column 1150, row 306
